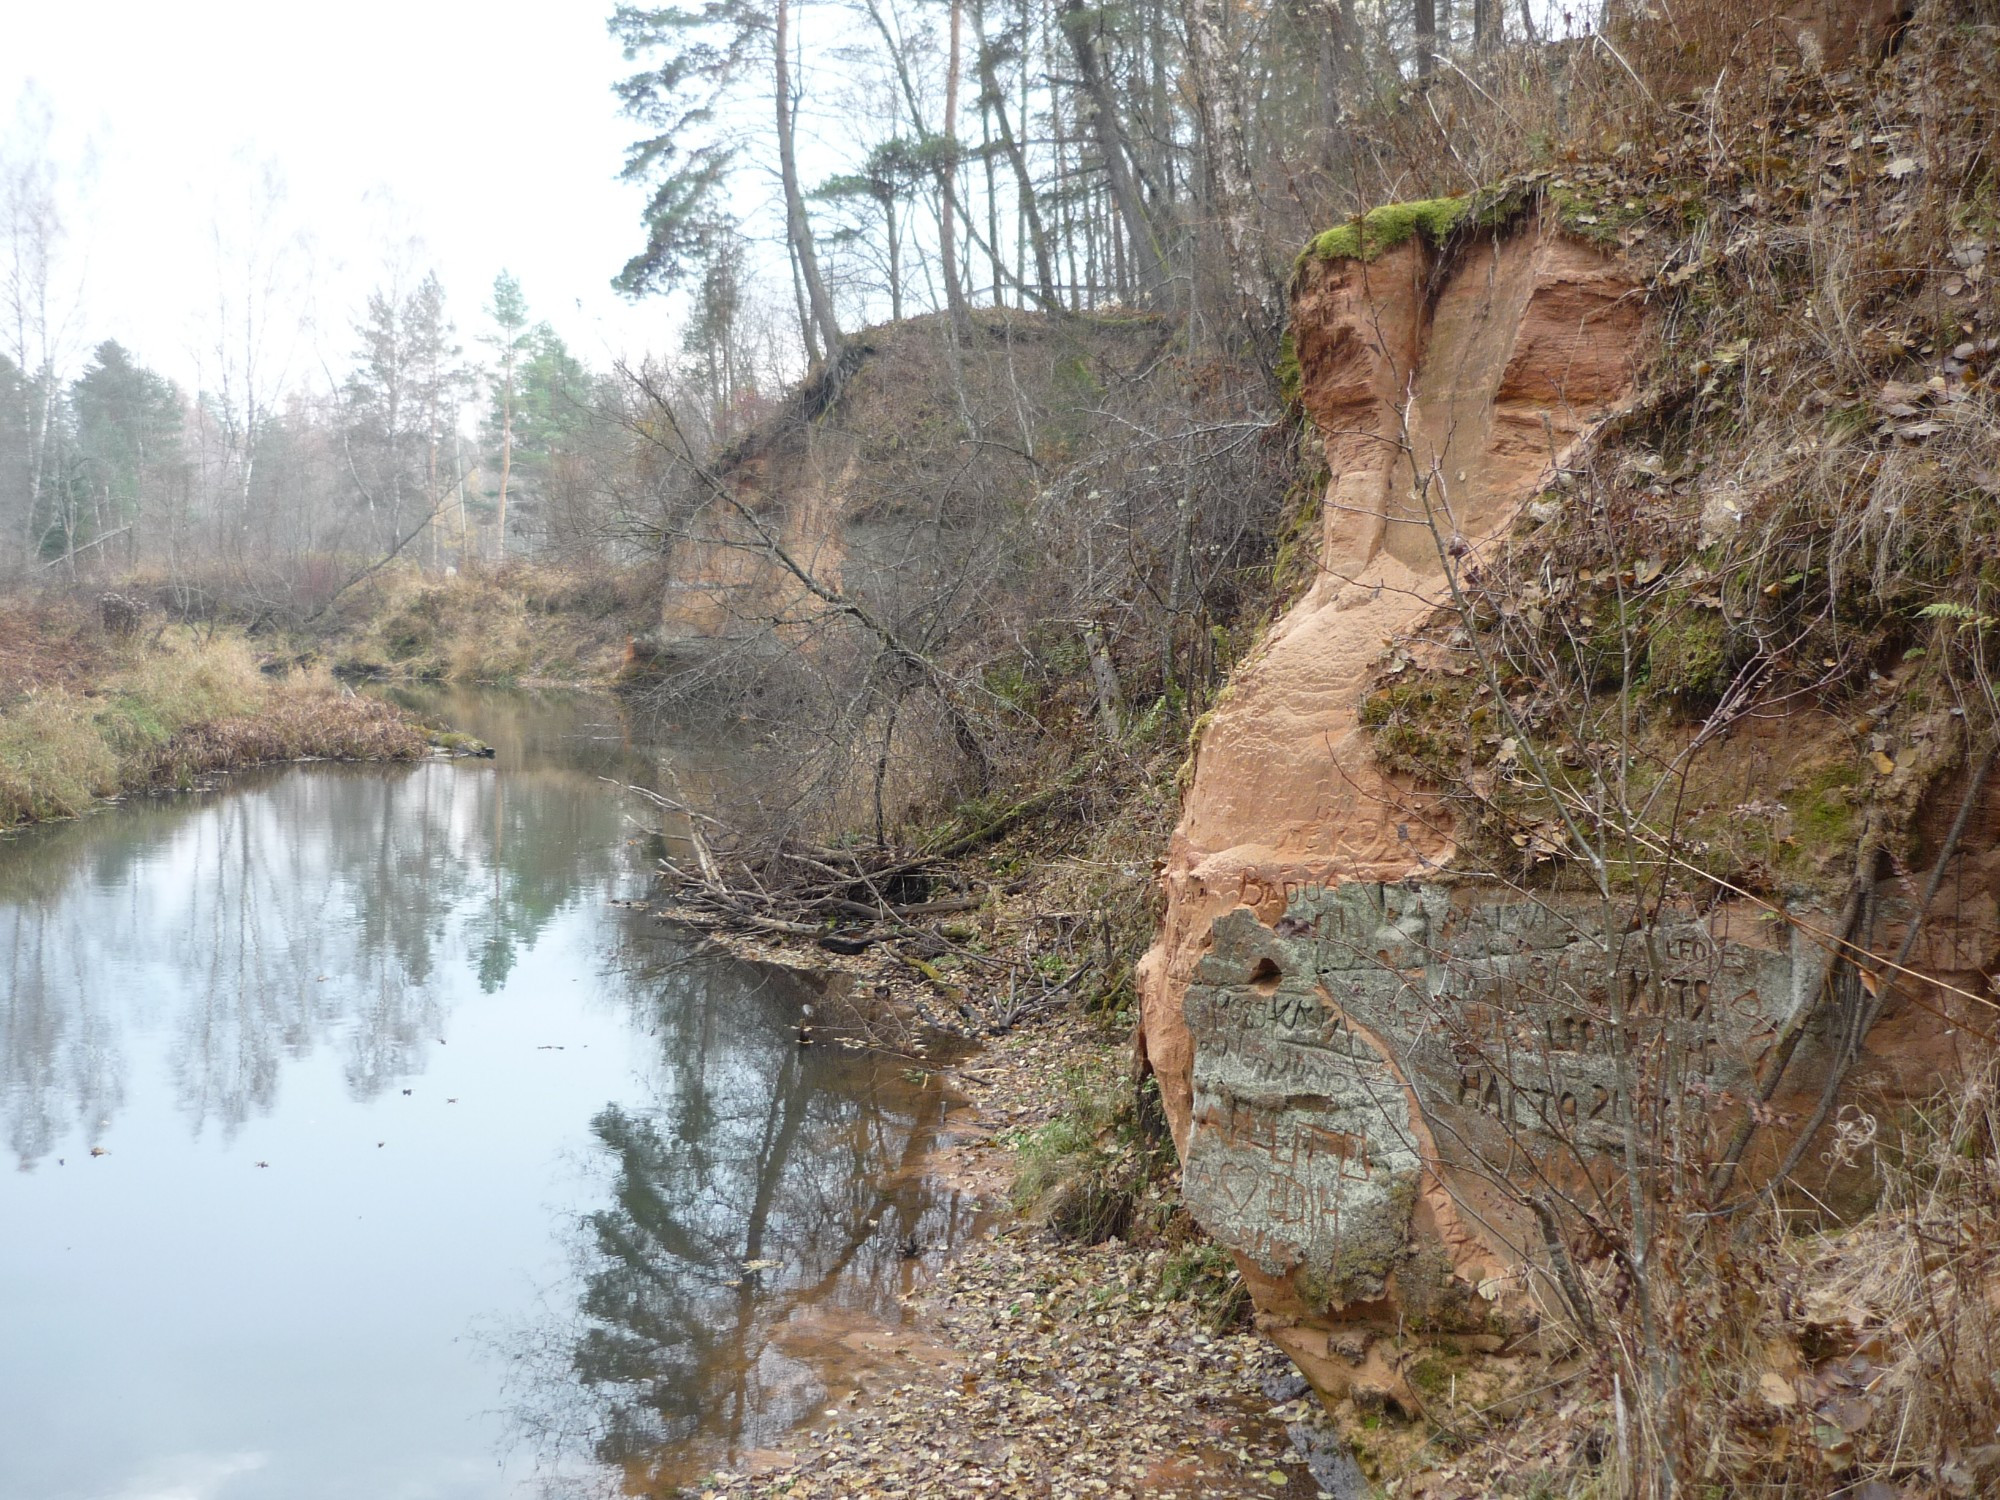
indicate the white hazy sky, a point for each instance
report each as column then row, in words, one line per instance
column 487, row 130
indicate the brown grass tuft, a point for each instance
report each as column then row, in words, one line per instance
column 88, row 718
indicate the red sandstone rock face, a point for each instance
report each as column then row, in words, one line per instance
column 1326, row 1018
column 1487, row 386
column 1479, row 377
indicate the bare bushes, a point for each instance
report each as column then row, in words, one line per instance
column 304, row 723
column 520, row 621
column 1849, row 1360
column 1880, row 1343
column 989, row 557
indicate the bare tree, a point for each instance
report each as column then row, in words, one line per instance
column 36, row 327
column 1218, row 93
column 798, row 226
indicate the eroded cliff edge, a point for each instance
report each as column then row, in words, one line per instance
column 1374, row 1059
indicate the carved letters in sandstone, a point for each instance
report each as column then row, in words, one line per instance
column 1375, row 1024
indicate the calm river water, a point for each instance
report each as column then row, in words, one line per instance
column 363, row 1147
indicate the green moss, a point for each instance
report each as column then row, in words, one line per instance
column 1386, row 227
column 1420, row 726
column 1295, row 559
column 1617, row 633
column 1688, row 659
column 1290, row 376
column 1430, row 1376
column 1598, row 220
column 1184, row 774
column 1823, row 811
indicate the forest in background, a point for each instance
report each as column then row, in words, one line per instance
column 1056, row 158
column 1076, row 482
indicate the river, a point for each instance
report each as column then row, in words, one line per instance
column 367, row 1144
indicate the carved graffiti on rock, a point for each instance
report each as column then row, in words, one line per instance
column 1499, row 1017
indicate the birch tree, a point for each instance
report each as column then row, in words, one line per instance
column 30, row 232
column 246, row 364
column 1218, row 94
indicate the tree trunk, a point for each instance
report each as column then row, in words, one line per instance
column 1426, row 27
column 506, row 448
column 797, row 227
column 895, row 258
column 808, row 334
column 1218, row 87
column 1079, row 23
column 992, row 190
column 947, row 176
column 1104, row 679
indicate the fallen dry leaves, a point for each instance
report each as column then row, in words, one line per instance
column 1077, row 1379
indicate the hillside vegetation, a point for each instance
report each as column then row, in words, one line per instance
column 1777, row 554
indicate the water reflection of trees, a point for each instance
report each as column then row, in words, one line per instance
column 752, row 1153
column 296, row 910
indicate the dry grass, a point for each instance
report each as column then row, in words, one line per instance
column 520, row 623
column 1803, row 501
column 90, row 718
column 1863, row 1361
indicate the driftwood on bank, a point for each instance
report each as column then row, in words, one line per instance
column 849, row 900
column 806, row 889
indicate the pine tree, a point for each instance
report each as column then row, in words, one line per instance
column 439, row 384
column 128, row 437
column 508, row 340
column 703, row 54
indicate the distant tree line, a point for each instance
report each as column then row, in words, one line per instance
column 273, row 478
column 1038, row 154
column 922, row 156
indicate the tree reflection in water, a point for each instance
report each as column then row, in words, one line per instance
column 763, row 1181
column 332, row 907
column 180, row 958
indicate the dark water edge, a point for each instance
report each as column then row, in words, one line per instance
column 428, row 1167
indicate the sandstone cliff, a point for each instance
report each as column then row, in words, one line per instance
column 1481, row 370
column 1383, row 1060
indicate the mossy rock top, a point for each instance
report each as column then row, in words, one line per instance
column 1438, row 220
column 1385, row 228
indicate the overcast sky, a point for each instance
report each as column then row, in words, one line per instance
column 488, row 130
